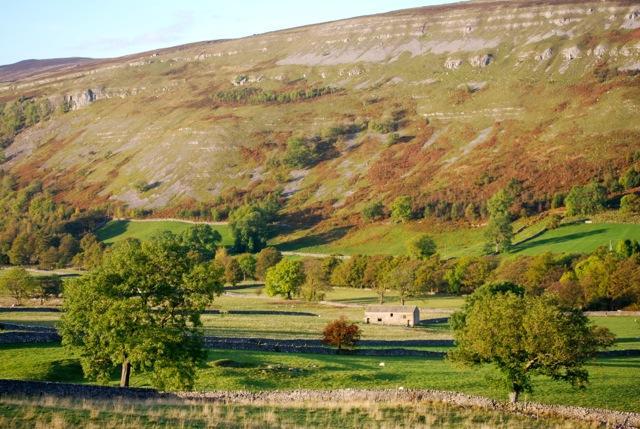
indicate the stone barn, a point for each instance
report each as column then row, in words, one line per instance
column 401, row 315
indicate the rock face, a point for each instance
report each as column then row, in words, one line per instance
column 84, row 98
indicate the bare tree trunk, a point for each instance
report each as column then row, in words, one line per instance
column 125, row 374
column 513, row 396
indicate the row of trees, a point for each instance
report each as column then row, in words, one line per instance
column 604, row 280
column 35, row 230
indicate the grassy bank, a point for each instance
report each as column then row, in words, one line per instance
column 56, row 413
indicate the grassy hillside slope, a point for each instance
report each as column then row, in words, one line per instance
column 478, row 93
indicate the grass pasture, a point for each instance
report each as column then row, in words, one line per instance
column 392, row 239
column 614, row 382
column 578, row 238
column 117, row 230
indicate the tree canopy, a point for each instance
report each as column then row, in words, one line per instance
column 141, row 310
column 401, row 210
column 422, row 247
column 586, row 200
column 249, row 228
column 18, row 283
column 285, row 278
column 500, row 325
column 499, row 231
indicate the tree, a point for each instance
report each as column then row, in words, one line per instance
column 499, row 231
column 422, row 247
column 285, row 278
column 340, row 334
column 249, row 229
column 630, row 178
column 316, row 283
column 203, row 240
column 48, row 286
column 429, row 276
column 402, row 278
column 373, row 211
column 350, row 273
column 267, row 258
column 401, row 210
column 233, row 272
column 630, row 204
column 18, row 283
column 90, row 255
column 247, row 264
column 469, row 273
column 140, row 310
column 374, row 274
column 525, row 336
column 586, row 200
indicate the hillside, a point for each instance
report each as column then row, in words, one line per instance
column 479, row 93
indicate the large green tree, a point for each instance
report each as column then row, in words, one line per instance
column 202, row 239
column 285, row 278
column 140, row 310
column 249, row 228
column 18, row 283
column 525, row 336
column 499, row 232
column 586, row 200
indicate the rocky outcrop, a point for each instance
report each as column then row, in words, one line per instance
column 84, row 98
column 545, row 55
column 571, row 53
column 481, row 61
column 453, row 63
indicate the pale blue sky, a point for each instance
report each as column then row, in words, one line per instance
column 107, row 28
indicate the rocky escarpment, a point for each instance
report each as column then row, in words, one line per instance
column 544, row 83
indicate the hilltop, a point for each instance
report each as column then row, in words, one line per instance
column 446, row 104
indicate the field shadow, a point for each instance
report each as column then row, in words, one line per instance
column 557, row 240
column 112, row 230
column 314, row 239
column 65, row 370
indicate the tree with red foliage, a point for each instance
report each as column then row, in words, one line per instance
column 340, row 333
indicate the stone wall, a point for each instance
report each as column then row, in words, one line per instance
column 617, row 419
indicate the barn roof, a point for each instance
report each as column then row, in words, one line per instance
column 390, row 308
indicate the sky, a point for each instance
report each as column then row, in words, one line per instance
column 100, row 29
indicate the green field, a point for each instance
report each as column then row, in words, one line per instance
column 117, row 230
column 393, row 239
column 615, row 382
column 579, row 238
column 384, row 238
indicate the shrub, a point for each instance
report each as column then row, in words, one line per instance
column 392, row 139
column 373, row 211
column 422, row 247
column 630, row 178
column 401, row 210
column 341, row 334
column 630, row 204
